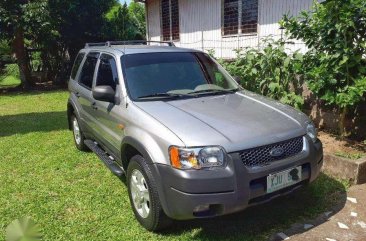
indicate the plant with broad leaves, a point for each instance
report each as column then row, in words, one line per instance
column 270, row 71
column 335, row 33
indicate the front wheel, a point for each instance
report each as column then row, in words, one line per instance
column 144, row 197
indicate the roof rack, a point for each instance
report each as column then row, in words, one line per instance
column 87, row 45
column 129, row 42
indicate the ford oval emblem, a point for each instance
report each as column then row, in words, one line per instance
column 276, row 152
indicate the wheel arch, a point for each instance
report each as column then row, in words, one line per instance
column 72, row 108
column 130, row 147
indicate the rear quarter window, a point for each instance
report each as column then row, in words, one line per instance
column 76, row 66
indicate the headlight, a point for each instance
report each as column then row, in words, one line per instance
column 311, row 131
column 196, row 158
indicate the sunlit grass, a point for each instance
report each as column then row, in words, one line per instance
column 353, row 156
column 72, row 196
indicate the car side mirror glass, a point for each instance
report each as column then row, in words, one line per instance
column 104, row 93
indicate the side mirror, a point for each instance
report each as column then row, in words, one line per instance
column 104, row 93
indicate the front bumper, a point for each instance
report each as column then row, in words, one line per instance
column 233, row 188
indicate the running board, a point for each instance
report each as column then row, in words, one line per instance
column 108, row 161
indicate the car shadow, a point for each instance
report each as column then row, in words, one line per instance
column 32, row 122
column 261, row 222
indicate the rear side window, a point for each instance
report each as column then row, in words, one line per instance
column 76, row 66
column 87, row 72
column 107, row 72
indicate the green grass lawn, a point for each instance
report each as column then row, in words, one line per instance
column 73, row 196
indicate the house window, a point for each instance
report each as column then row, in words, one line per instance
column 240, row 16
column 231, row 16
column 170, row 20
column 249, row 16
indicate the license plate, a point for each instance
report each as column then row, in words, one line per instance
column 283, row 179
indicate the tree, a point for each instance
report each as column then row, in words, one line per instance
column 335, row 33
column 79, row 21
column 17, row 18
column 60, row 28
column 122, row 24
column 137, row 10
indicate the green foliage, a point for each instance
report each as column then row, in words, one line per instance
column 353, row 156
column 31, row 17
column 11, row 70
column 335, row 33
column 270, row 71
column 21, row 21
column 111, row 13
column 137, row 10
column 78, row 21
column 125, row 22
column 60, row 28
column 211, row 52
column 9, row 81
column 5, row 53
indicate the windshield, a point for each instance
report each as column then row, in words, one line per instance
column 168, row 75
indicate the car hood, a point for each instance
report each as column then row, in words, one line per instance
column 235, row 121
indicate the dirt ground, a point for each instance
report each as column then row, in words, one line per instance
column 333, row 144
column 346, row 224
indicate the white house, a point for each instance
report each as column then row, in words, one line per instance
column 219, row 25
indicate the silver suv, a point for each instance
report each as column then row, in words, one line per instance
column 191, row 142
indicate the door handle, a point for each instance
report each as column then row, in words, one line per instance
column 94, row 106
column 77, row 94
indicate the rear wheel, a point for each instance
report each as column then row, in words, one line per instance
column 144, row 197
column 78, row 134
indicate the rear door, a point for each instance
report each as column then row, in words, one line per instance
column 109, row 115
column 84, row 92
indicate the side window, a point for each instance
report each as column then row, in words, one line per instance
column 76, row 66
column 107, row 72
column 213, row 74
column 87, row 72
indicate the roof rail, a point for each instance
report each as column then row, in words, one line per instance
column 87, row 45
column 128, row 42
column 138, row 42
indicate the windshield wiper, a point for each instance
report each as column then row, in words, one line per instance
column 160, row 95
column 214, row 91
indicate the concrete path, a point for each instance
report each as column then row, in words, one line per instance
column 348, row 224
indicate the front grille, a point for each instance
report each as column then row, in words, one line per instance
column 261, row 156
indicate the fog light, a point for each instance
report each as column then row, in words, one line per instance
column 201, row 208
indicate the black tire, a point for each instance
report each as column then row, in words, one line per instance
column 78, row 143
column 156, row 219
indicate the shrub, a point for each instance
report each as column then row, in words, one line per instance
column 10, row 70
column 335, row 33
column 270, row 71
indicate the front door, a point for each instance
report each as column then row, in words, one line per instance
column 109, row 115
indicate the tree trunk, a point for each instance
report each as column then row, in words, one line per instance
column 342, row 122
column 22, row 58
